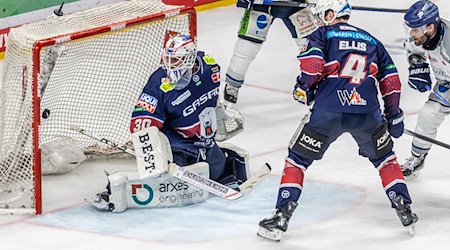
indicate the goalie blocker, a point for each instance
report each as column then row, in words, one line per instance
column 152, row 186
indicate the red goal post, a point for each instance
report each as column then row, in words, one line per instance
column 86, row 68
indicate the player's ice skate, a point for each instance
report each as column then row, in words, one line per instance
column 230, row 94
column 406, row 216
column 273, row 227
column 413, row 165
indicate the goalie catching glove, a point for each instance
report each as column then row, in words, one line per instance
column 229, row 122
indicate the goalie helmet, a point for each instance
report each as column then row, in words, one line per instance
column 339, row 7
column 178, row 56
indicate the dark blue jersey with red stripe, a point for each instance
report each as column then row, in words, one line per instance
column 186, row 115
column 348, row 66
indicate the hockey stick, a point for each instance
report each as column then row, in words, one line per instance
column 304, row 5
column 256, row 178
column 438, row 96
column 190, row 177
column 426, row 138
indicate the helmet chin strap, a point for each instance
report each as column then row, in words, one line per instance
column 184, row 80
column 433, row 40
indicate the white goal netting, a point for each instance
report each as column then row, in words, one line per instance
column 86, row 69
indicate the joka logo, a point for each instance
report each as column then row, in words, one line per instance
column 140, row 188
column 311, row 141
column 383, row 140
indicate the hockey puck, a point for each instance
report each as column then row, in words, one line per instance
column 45, row 113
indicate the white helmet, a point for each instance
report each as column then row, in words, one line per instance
column 178, row 56
column 339, row 7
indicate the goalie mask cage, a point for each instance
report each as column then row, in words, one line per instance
column 86, row 69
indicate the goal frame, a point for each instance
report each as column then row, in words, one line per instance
column 36, row 95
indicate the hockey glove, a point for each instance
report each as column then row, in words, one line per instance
column 419, row 77
column 395, row 124
column 302, row 94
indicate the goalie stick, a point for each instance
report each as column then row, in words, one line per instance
column 207, row 184
column 426, row 138
column 304, row 5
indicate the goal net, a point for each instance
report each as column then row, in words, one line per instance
column 85, row 69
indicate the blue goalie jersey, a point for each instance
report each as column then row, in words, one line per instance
column 186, row 115
column 347, row 65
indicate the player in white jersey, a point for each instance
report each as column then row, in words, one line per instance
column 255, row 25
column 429, row 37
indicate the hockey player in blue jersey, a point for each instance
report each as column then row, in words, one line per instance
column 180, row 99
column 342, row 68
column 176, row 112
column 428, row 37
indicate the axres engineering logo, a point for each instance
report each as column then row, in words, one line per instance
column 142, row 194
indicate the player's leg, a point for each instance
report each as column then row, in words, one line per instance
column 236, row 165
column 255, row 25
column 430, row 118
column 309, row 143
column 374, row 141
column 299, row 22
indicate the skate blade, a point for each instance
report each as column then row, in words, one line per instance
column 413, row 176
column 412, row 230
column 274, row 235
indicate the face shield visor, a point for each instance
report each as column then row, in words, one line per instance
column 418, row 34
column 178, row 59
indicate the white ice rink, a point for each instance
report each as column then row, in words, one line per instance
column 343, row 205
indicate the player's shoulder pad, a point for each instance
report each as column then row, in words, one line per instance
column 209, row 62
column 207, row 59
column 158, row 82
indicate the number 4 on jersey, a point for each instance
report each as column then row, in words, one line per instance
column 355, row 68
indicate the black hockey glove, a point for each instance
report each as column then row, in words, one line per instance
column 302, row 94
column 244, row 3
column 395, row 124
column 419, row 77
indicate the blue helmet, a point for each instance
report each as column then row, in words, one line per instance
column 421, row 13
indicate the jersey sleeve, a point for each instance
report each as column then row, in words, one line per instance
column 149, row 109
column 390, row 85
column 312, row 59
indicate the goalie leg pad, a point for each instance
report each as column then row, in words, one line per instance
column 236, row 167
column 60, row 157
column 115, row 198
column 153, row 152
column 126, row 190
